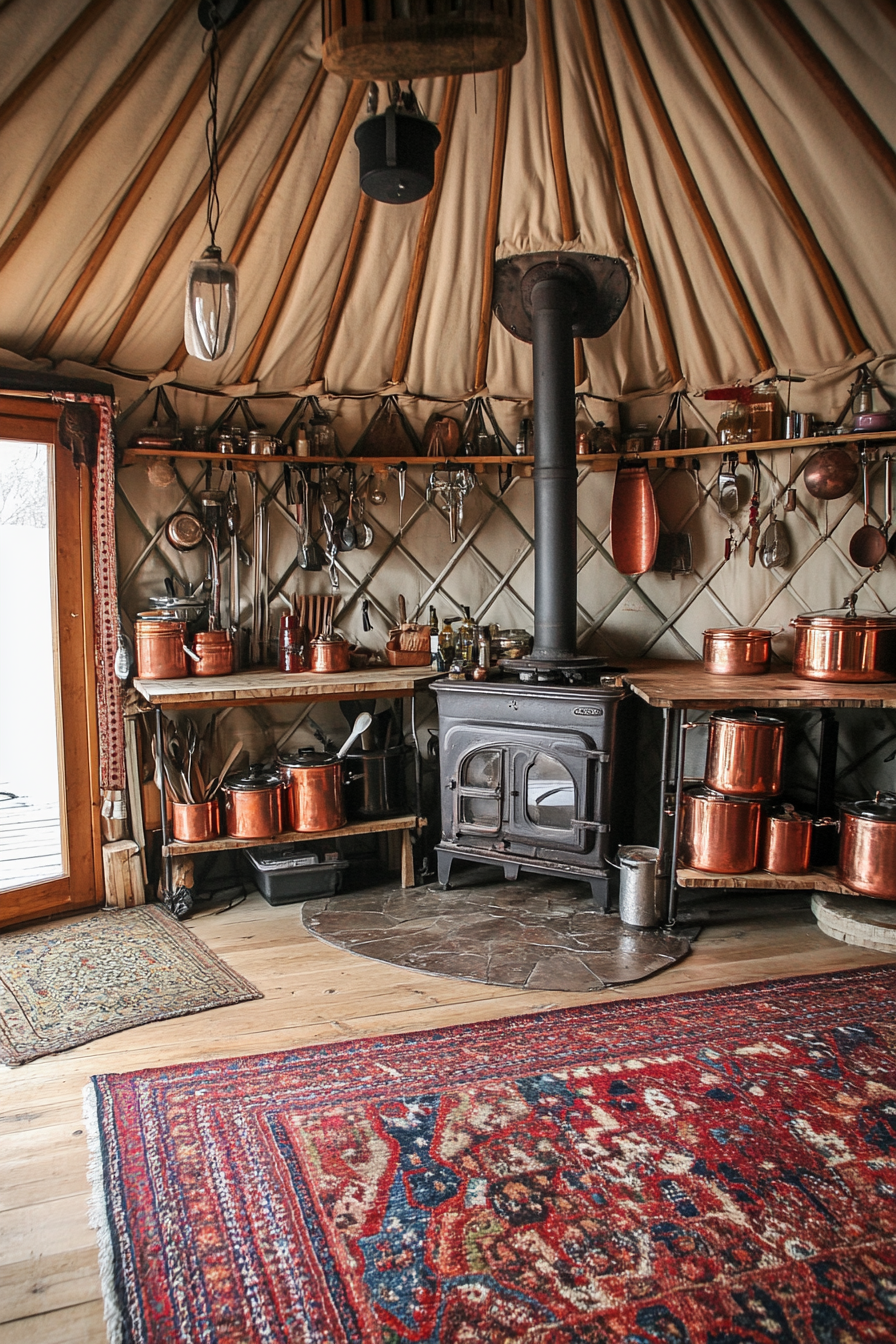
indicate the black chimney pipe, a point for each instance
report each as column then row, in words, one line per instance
column 553, row 302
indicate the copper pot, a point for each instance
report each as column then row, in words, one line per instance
column 330, row 653
column 253, row 805
column 867, row 860
column 159, row 646
column 634, row 519
column 214, row 650
column 738, row 652
column 718, row 834
column 745, row 754
column 196, row 822
column 314, row 791
column 848, row 647
column 787, row 841
column 831, row 473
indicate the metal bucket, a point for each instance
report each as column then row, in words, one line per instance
column 639, row 897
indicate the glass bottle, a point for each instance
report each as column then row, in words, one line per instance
column 291, row 645
column 734, row 423
column 465, row 643
column 447, row 641
column 765, row 413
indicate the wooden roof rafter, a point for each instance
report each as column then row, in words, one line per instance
column 496, row 182
column 625, row 188
column 425, row 233
column 343, row 286
column 693, row 194
column 134, row 194
column 350, row 109
column 229, row 141
column 752, row 136
column 60, row 48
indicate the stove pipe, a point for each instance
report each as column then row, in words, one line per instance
column 553, row 368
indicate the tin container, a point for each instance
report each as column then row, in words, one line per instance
column 738, row 652
column 196, row 822
column 787, row 841
column 214, row 650
column 253, row 805
column 745, row 754
column 159, row 646
column 719, row 834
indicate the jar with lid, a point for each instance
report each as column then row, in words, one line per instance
column 636, row 442
column 321, row 436
column 223, row 441
column 199, row 439
column 734, row 423
column 765, row 413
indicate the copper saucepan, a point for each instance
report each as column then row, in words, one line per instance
column 737, row 652
column 867, row 859
column 719, row 834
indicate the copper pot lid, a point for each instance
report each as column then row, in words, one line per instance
column 882, row 807
column 787, row 812
column 738, row 632
column 212, row 637
column 329, row 639
column 747, row 717
column 702, row 794
column 260, row 777
column 838, row 620
column 307, row 758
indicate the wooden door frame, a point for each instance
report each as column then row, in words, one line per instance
column 35, row 419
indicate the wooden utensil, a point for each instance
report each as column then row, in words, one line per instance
column 222, row 773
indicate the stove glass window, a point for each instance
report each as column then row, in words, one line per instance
column 550, row 794
column 482, row 770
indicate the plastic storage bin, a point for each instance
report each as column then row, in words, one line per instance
column 290, row 872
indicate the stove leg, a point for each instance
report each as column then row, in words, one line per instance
column 443, row 869
column 600, row 894
column 511, row 871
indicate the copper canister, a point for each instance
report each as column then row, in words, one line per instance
column 314, row 791
column 745, row 754
column 738, row 652
column 787, row 841
column 214, row 650
column 253, row 805
column 159, row 646
column 196, row 822
column 867, row 859
column 719, row 835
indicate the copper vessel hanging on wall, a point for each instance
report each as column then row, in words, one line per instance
column 634, row 518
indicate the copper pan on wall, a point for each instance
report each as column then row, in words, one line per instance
column 634, row 518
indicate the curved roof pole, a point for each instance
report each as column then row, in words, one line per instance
column 502, row 110
column 176, row 230
column 265, row 331
column 688, row 182
column 271, row 182
column 424, row 237
column 343, row 288
column 625, row 188
column 133, row 196
column 60, row 48
column 747, row 126
column 85, row 133
column 558, row 145
column 824, row 74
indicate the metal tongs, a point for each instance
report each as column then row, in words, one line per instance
column 447, row 489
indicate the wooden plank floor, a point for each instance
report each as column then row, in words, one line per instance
column 49, row 1287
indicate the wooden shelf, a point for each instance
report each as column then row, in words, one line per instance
column 817, row 879
column 402, row 823
column 264, row 685
column 684, row 685
column 595, row 462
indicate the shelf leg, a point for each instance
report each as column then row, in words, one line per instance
column 680, row 727
column 407, row 860
column 663, row 864
column 177, row 900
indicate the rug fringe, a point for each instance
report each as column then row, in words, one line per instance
column 98, row 1219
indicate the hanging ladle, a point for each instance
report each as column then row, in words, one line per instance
column 867, row 546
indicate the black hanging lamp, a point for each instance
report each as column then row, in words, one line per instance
column 397, row 148
column 210, row 310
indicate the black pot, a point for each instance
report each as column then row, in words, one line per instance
column 397, row 156
column 377, row 787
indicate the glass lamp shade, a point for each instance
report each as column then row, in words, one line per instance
column 210, row 310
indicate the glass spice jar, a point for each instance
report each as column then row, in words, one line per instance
column 291, row 645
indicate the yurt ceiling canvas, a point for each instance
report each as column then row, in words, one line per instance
column 738, row 157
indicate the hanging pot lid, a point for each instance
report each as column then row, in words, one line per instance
column 257, row 777
column 880, row 808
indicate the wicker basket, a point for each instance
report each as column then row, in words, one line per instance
column 406, row 657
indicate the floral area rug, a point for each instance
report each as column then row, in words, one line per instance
column 64, row 984
column 713, row 1168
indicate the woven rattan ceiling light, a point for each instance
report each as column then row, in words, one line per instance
column 418, row 39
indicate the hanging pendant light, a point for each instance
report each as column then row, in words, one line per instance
column 210, row 310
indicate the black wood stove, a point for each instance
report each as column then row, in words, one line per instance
column 526, row 762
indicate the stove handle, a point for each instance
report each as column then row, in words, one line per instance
column 601, row 826
column 603, row 757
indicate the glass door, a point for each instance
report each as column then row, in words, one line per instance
column 48, row 851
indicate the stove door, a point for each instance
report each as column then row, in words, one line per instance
column 553, row 794
column 479, row 790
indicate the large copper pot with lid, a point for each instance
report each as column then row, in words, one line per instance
column 719, row 834
column 867, row 860
column 847, row 646
column 745, row 753
column 314, row 785
column 253, row 804
column 160, row 645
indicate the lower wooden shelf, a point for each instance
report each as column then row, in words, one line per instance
column 817, row 879
column 402, row 823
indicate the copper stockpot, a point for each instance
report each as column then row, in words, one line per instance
column 737, row 652
column 330, row 653
column 159, row 646
column 847, row 647
column 867, row 860
column 214, row 650
column 745, row 753
column 253, row 805
column 787, row 841
column 718, row 834
column 313, row 784
column 196, row 821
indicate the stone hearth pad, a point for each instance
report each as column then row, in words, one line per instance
column 529, row 934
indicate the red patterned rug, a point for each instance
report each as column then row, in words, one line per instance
column 714, row 1168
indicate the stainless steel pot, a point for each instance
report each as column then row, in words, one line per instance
column 745, row 754
column 719, row 834
column 845, row 646
column 867, row 860
column 376, row 787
